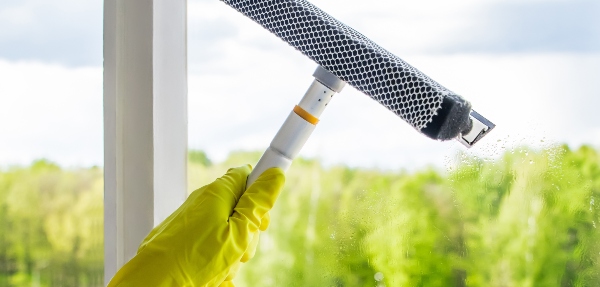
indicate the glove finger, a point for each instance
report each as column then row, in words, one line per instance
column 232, row 272
column 251, row 248
column 257, row 200
column 264, row 222
column 226, row 191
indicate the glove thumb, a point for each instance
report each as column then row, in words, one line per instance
column 257, row 200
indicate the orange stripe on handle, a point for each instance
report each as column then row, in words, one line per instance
column 306, row 115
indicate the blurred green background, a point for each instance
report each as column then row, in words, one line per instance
column 529, row 218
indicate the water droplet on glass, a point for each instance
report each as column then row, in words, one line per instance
column 378, row 276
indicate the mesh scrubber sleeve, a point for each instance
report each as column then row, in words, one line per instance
column 426, row 105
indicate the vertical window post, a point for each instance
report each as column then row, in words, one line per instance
column 145, row 121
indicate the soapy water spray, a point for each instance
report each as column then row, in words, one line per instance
column 346, row 56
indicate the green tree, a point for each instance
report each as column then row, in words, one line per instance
column 51, row 226
column 529, row 218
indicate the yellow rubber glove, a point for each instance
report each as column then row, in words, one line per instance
column 205, row 240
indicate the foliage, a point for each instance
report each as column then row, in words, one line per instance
column 51, row 226
column 529, row 218
column 198, row 157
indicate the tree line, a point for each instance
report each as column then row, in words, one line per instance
column 529, row 218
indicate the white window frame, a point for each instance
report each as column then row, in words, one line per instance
column 145, row 121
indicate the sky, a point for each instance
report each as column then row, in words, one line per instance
column 531, row 66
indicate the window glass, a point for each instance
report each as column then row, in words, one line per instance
column 51, row 222
column 371, row 202
column 527, row 218
column 51, row 183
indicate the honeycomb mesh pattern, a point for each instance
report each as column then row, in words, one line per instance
column 351, row 56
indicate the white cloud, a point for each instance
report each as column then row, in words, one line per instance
column 68, row 32
column 243, row 83
column 50, row 111
column 528, row 26
column 524, row 94
column 56, row 112
column 549, row 97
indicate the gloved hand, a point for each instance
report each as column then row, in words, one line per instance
column 205, row 240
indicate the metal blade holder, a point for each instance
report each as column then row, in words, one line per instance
column 299, row 125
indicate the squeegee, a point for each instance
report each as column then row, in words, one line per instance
column 346, row 56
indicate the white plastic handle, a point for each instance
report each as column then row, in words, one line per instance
column 296, row 130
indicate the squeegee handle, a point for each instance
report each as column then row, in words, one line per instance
column 299, row 125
